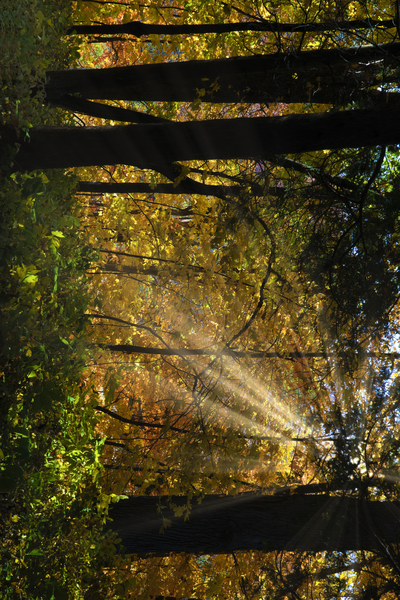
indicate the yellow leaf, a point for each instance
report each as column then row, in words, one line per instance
column 179, row 510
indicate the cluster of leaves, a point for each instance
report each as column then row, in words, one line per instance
column 31, row 40
column 306, row 270
column 52, row 510
column 186, row 272
column 50, row 455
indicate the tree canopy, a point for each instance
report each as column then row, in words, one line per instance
column 200, row 293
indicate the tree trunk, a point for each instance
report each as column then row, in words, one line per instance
column 220, row 525
column 156, row 146
column 188, row 186
column 333, row 76
column 139, row 29
column 133, row 349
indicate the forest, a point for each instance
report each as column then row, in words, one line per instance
column 200, row 287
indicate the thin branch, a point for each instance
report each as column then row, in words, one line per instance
column 104, row 111
column 137, row 325
column 365, row 192
column 140, row 423
column 373, row 176
column 317, row 174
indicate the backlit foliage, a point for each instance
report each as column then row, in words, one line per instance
column 282, row 276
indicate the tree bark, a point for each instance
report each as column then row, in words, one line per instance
column 156, row 146
column 105, row 111
column 133, row 349
column 139, row 29
column 220, row 525
column 198, row 187
column 334, row 76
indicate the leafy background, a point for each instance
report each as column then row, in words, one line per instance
column 73, row 438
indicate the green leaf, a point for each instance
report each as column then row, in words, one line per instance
column 35, row 552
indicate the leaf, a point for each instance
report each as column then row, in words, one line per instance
column 35, row 552
column 179, row 510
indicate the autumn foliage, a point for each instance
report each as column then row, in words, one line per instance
column 193, row 326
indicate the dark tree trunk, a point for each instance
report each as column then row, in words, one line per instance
column 334, row 76
column 188, row 186
column 133, row 349
column 138, row 29
column 156, row 146
column 221, row 525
